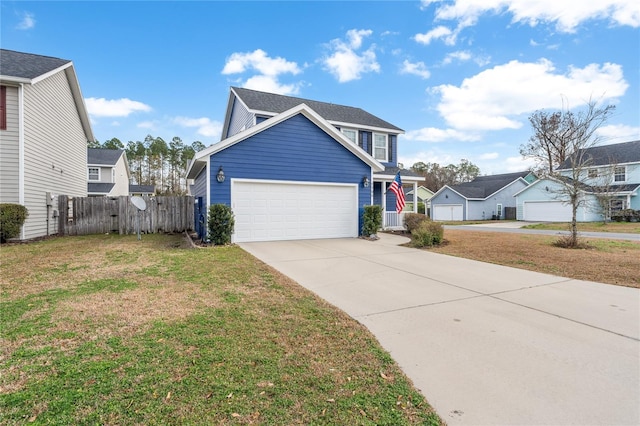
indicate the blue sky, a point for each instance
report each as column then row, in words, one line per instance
column 461, row 77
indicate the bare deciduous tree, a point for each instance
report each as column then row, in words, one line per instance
column 559, row 145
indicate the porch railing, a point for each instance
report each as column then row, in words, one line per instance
column 393, row 220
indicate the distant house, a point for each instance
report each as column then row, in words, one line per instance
column 484, row 198
column 107, row 172
column 44, row 129
column 293, row 168
column 612, row 170
column 142, row 190
column 424, row 196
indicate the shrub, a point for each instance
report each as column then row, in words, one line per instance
column 371, row 220
column 421, row 208
column 12, row 217
column 427, row 234
column 413, row 220
column 220, row 223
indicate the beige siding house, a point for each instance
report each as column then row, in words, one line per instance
column 108, row 172
column 43, row 137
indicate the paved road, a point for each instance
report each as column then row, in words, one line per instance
column 516, row 227
column 486, row 344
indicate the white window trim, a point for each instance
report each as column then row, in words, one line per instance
column 342, row 130
column 625, row 174
column 386, row 146
column 89, row 174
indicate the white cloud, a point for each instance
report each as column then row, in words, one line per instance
column 418, row 68
column 101, row 107
column 345, row 63
column 489, row 156
column 565, row 15
column 432, row 134
column 496, row 98
column 27, row 22
column 616, row 133
column 441, row 32
column 147, row 125
column 204, row 125
column 268, row 71
column 518, row 164
column 259, row 61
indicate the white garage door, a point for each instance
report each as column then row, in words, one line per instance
column 447, row 212
column 547, row 211
column 270, row 211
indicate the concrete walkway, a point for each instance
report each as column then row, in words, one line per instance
column 485, row 344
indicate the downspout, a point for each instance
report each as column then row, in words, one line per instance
column 21, row 197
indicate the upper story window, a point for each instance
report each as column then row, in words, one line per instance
column 380, row 147
column 94, row 173
column 3, row 107
column 351, row 134
column 620, row 174
column 593, row 173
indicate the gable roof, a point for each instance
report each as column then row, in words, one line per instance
column 199, row 160
column 28, row 68
column 271, row 104
column 619, row 153
column 484, row 186
column 26, row 65
column 102, row 156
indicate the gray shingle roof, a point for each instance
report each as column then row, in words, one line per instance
column 99, row 187
column 107, row 157
column 27, row 65
column 272, row 103
column 142, row 189
column 619, row 153
column 483, row 186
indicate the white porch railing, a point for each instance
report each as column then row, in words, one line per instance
column 393, row 221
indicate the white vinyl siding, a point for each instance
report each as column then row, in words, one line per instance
column 10, row 151
column 55, row 151
column 380, row 147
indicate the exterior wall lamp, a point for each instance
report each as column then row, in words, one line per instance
column 220, row 176
column 365, row 181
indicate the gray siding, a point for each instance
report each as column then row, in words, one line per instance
column 485, row 209
column 10, row 151
column 55, row 151
column 240, row 119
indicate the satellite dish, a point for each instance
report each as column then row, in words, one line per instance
column 139, row 202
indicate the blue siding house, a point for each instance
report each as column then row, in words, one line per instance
column 611, row 170
column 294, row 168
column 484, row 198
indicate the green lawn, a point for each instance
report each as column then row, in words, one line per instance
column 111, row 330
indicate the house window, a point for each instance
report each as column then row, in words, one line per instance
column 620, row 174
column 616, row 205
column 3, row 107
column 94, row 173
column 593, row 173
column 380, row 147
column 351, row 134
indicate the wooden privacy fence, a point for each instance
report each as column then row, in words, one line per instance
column 101, row 215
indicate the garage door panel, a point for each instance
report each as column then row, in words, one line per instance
column 547, row 211
column 281, row 211
column 447, row 212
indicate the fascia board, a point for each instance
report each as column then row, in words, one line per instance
column 16, row 80
column 299, row 109
column 380, row 177
column 365, row 127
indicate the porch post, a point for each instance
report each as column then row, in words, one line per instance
column 415, row 197
column 384, row 203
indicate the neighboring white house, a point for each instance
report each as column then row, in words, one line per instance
column 610, row 170
column 44, row 129
column 107, row 172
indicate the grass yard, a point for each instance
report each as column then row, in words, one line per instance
column 622, row 227
column 607, row 261
column 111, row 330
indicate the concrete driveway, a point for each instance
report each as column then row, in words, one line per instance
column 485, row 344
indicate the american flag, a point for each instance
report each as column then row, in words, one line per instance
column 396, row 188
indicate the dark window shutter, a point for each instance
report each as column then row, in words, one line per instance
column 3, row 107
column 390, row 148
column 361, row 139
column 369, row 142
